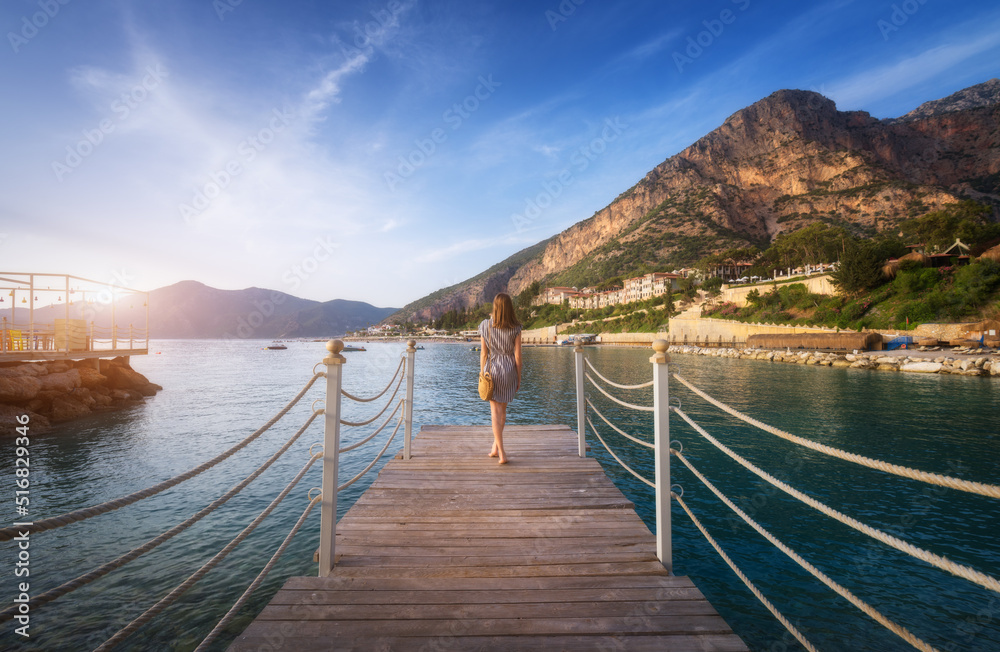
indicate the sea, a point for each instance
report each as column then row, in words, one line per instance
column 216, row 393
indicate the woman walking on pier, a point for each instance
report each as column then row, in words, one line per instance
column 500, row 355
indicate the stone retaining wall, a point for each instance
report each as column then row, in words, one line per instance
column 722, row 331
column 815, row 284
column 631, row 338
column 547, row 335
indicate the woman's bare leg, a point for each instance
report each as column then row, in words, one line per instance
column 498, row 413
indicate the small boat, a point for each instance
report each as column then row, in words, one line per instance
column 475, row 348
column 276, row 346
column 348, row 348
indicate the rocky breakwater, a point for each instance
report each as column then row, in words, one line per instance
column 55, row 392
column 981, row 365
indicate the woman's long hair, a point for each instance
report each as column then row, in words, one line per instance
column 503, row 312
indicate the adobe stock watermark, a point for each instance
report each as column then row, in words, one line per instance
column 579, row 161
column 247, row 325
column 697, row 44
column 367, row 36
column 121, row 108
column 562, row 13
column 30, row 27
column 454, row 117
column 900, row 16
column 223, row 7
column 246, row 152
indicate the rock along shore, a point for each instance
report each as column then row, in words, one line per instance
column 55, row 392
column 973, row 365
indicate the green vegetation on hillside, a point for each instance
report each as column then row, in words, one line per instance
column 916, row 295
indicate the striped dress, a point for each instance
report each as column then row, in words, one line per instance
column 499, row 343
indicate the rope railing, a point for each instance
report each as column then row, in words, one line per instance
column 746, row 580
column 381, row 412
column 181, row 588
column 980, row 488
column 661, row 409
column 330, row 453
column 374, row 461
column 631, row 406
column 54, row 522
column 617, row 429
column 873, row 613
column 942, row 563
column 402, row 362
column 617, row 459
column 614, row 384
column 228, row 618
column 367, row 439
column 138, row 551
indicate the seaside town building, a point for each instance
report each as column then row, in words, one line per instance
column 635, row 289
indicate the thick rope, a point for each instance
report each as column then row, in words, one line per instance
column 992, row 491
column 367, row 400
column 898, row 630
column 380, row 428
column 617, row 459
column 212, row 635
column 133, row 554
column 386, row 407
column 943, row 563
column 82, row 514
column 750, row 585
column 377, row 458
column 617, row 429
column 641, row 408
column 614, row 384
column 172, row 597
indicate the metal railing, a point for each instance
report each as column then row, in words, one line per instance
column 59, row 321
column 661, row 408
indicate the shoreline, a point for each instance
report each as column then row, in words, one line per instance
column 909, row 361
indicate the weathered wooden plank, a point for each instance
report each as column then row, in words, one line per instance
column 623, row 641
column 464, row 610
column 496, row 596
column 336, row 582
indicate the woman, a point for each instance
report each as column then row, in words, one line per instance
column 500, row 355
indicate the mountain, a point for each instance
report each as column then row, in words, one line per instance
column 782, row 163
column 193, row 310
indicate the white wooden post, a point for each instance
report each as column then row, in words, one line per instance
column 130, row 338
column 411, row 350
column 581, row 406
column 661, row 440
column 331, row 456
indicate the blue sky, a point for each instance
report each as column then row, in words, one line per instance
column 379, row 151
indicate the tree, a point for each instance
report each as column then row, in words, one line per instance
column 860, row 266
column 966, row 220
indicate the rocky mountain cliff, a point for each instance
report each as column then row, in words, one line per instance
column 782, row 163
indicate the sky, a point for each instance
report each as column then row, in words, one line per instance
column 380, row 150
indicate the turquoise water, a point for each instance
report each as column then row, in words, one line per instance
column 216, row 393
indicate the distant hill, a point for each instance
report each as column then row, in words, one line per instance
column 786, row 161
column 190, row 309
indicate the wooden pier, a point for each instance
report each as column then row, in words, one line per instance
column 450, row 551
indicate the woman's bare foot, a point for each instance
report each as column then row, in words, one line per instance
column 493, row 451
column 493, row 454
column 503, row 459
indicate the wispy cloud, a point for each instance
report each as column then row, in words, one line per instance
column 869, row 86
column 468, row 246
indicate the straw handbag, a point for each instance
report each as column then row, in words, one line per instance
column 485, row 385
